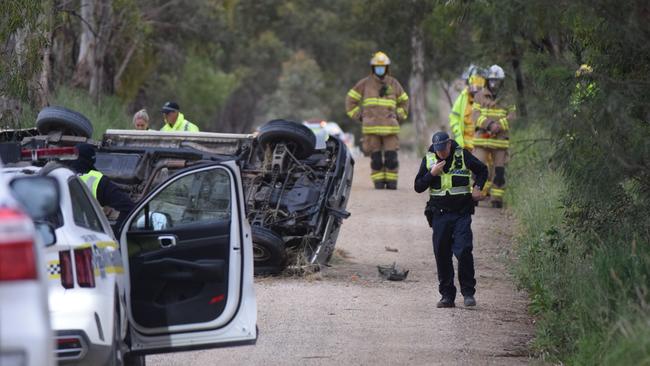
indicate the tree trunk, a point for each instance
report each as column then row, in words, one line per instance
column 238, row 113
column 417, row 88
column 43, row 90
column 87, row 41
column 519, row 80
column 104, row 28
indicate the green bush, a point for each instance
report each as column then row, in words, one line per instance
column 109, row 112
column 588, row 283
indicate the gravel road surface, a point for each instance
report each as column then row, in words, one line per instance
column 348, row 315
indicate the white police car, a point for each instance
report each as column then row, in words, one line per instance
column 179, row 277
column 25, row 332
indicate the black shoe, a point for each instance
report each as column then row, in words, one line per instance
column 391, row 185
column 446, row 302
column 497, row 204
column 379, row 185
column 469, row 300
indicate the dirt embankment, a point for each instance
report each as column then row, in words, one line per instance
column 348, row 315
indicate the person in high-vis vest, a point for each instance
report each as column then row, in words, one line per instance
column 460, row 118
column 102, row 188
column 175, row 120
column 380, row 103
column 492, row 115
column 446, row 172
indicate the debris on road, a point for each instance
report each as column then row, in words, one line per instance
column 392, row 272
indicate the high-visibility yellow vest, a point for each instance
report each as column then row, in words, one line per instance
column 91, row 180
column 181, row 124
column 457, row 117
column 456, row 181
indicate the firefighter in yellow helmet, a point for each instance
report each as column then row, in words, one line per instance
column 492, row 114
column 380, row 103
column 460, row 118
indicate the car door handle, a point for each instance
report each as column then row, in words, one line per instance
column 167, row 241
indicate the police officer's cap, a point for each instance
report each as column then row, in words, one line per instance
column 170, row 107
column 439, row 140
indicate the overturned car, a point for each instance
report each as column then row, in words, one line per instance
column 296, row 188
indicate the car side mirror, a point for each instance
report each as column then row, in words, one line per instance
column 39, row 195
column 46, row 231
column 157, row 221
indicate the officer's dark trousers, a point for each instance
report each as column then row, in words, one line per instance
column 452, row 233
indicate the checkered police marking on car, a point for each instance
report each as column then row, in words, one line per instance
column 53, row 269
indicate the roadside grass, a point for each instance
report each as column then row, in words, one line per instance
column 588, row 291
column 109, row 112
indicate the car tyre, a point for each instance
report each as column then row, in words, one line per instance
column 65, row 120
column 300, row 138
column 269, row 253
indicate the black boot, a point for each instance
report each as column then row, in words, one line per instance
column 391, row 184
column 379, row 184
column 446, row 302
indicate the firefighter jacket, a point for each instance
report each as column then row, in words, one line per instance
column 461, row 122
column 380, row 104
column 443, row 195
column 181, row 125
column 488, row 109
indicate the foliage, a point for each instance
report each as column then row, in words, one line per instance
column 200, row 90
column 299, row 93
column 21, row 41
column 108, row 113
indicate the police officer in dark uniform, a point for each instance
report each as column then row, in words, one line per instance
column 103, row 189
column 446, row 171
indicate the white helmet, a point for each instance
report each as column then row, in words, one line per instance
column 496, row 72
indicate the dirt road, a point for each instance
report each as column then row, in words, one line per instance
column 347, row 315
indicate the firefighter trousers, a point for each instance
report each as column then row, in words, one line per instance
column 452, row 235
column 384, row 165
column 497, row 173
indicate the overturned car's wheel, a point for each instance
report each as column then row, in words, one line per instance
column 299, row 138
column 269, row 253
column 65, row 120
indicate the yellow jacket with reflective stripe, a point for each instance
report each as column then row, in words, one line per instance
column 181, row 125
column 461, row 122
column 379, row 115
column 91, row 180
column 456, row 181
column 487, row 108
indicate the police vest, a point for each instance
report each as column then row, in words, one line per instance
column 91, row 179
column 456, row 181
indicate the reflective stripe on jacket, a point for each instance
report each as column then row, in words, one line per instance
column 456, row 181
column 380, row 114
column 91, row 180
column 181, row 125
column 485, row 109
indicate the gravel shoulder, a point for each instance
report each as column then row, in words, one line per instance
column 348, row 315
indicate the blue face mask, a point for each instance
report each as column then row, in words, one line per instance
column 380, row 70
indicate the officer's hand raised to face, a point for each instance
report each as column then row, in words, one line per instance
column 437, row 168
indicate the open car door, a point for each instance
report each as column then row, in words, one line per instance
column 188, row 252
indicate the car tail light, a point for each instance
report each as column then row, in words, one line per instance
column 61, row 153
column 70, row 347
column 83, row 259
column 17, row 259
column 65, row 263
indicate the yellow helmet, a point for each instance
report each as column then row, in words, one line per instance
column 583, row 70
column 379, row 59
